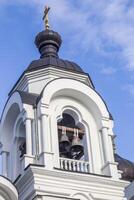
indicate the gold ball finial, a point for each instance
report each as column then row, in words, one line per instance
column 45, row 17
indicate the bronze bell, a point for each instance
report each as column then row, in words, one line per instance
column 77, row 150
column 64, row 144
column 22, row 149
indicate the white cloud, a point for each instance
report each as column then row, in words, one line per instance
column 91, row 22
column 108, row 70
column 129, row 88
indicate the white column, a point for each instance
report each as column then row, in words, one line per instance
column 46, row 140
column 111, row 147
column 4, row 163
column 28, row 125
column 106, row 147
column 46, row 155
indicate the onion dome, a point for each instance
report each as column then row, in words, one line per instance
column 127, row 167
column 48, row 43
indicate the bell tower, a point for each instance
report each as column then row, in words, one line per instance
column 56, row 131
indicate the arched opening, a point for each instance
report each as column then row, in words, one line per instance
column 19, row 147
column 72, row 142
column 22, row 140
column 6, row 137
column 8, row 126
column 93, row 115
column 70, row 138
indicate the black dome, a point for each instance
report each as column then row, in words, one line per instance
column 51, row 61
column 126, row 166
column 48, row 43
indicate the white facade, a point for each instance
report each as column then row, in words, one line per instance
column 41, row 173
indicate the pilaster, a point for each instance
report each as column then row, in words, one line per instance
column 46, row 156
column 28, row 125
column 4, row 155
column 28, row 117
column 110, row 167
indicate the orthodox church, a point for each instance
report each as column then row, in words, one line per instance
column 56, row 134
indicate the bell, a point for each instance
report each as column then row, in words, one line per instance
column 77, row 150
column 64, row 144
column 22, row 149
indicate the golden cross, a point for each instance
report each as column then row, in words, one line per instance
column 45, row 17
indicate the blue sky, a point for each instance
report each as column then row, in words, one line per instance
column 98, row 35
